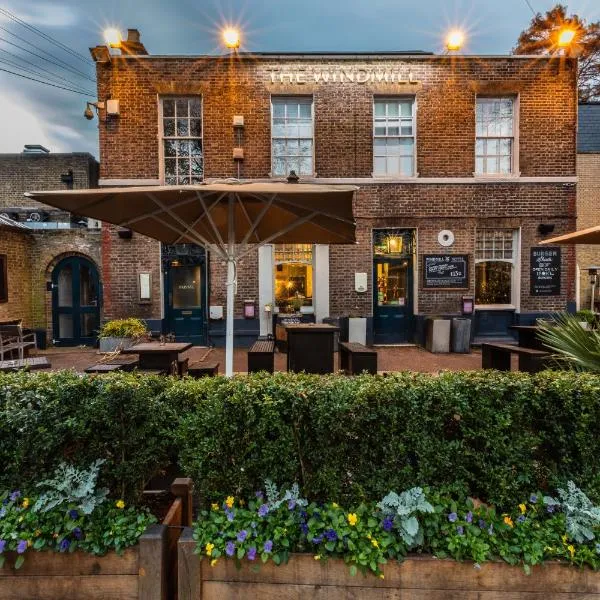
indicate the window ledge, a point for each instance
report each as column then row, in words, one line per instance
column 495, row 307
column 497, row 176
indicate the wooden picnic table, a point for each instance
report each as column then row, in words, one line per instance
column 310, row 347
column 528, row 337
column 154, row 355
column 33, row 363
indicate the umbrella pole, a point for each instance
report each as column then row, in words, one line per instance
column 229, row 322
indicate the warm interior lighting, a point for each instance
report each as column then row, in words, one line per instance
column 566, row 37
column 112, row 37
column 455, row 40
column 231, row 37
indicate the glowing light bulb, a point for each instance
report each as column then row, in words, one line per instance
column 566, row 37
column 455, row 40
column 112, row 37
column 231, row 37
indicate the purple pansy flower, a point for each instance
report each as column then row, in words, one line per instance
column 77, row 533
column 331, row 535
column 2, row 546
column 259, row 495
column 230, row 515
column 292, row 504
column 21, row 546
column 303, row 514
column 533, row 498
column 550, row 508
column 482, row 524
column 460, row 529
column 73, row 514
column 263, row 510
column 268, row 546
column 388, row 524
column 469, row 517
column 229, row 548
column 521, row 518
column 2, row 512
column 304, row 528
column 242, row 535
column 251, row 553
column 14, row 495
column 64, row 545
column 317, row 539
column 452, row 517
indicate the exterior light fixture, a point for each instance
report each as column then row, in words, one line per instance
column 455, row 40
column 88, row 113
column 231, row 38
column 566, row 37
column 112, row 37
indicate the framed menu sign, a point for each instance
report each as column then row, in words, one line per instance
column 446, row 271
column 545, row 271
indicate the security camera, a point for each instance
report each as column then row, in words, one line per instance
column 88, row 113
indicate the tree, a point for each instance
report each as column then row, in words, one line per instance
column 542, row 37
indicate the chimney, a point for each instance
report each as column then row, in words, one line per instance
column 133, row 46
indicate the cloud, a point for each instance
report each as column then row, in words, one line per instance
column 44, row 14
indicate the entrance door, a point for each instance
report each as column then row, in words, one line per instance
column 393, row 301
column 75, row 302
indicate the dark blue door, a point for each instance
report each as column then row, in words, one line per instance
column 75, row 302
column 393, row 314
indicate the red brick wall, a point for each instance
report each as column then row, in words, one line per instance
column 16, row 245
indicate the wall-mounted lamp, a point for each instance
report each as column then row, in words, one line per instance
column 231, row 38
column 545, row 228
column 111, row 106
column 67, row 178
column 125, row 234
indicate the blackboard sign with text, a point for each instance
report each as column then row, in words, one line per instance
column 446, row 271
column 545, row 271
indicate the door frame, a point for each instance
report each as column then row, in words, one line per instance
column 75, row 309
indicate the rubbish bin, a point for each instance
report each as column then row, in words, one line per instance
column 461, row 335
column 437, row 337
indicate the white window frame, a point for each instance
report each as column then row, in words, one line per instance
column 162, row 137
column 400, row 136
column 305, row 309
column 312, row 114
column 514, row 162
column 515, row 279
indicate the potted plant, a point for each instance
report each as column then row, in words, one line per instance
column 586, row 318
column 120, row 334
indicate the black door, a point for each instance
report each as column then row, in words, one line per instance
column 393, row 314
column 75, row 302
column 185, row 293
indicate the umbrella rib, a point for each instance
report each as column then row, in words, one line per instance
column 320, row 212
column 196, row 221
column 209, row 217
column 254, row 224
column 156, row 212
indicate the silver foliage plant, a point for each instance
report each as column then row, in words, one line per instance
column 275, row 500
column 70, row 485
column 581, row 514
column 402, row 507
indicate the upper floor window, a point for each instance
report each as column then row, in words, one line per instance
column 292, row 136
column 181, row 132
column 495, row 141
column 394, row 137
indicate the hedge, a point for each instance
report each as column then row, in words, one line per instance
column 495, row 435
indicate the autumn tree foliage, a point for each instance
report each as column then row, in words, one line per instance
column 543, row 37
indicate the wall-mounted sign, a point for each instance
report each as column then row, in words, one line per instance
column 446, row 271
column 545, row 271
column 301, row 76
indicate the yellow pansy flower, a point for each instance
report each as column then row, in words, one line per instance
column 25, row 502
column 508, row 521
column 214, row 506
column 209, row 548
column 38, row 532
column 317, row 557
column 571, row 549
column 120, row 504
column 20, row 519
column 30, row 543
column 335, row 505
column 213, row 562
column 381, row 576
column 242, row 502
column 522, row 508
column 352, row 519
column 375, row 543
column 564, row 538
column 229, row 502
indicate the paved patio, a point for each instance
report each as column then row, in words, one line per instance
column 399, row 358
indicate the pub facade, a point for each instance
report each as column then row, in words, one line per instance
column 463, row 164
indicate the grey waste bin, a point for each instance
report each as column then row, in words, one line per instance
column 461, row 335
column 437, row 337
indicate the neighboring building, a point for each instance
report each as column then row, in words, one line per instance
column 51, row 258
column 466, row 161
column 588, row 195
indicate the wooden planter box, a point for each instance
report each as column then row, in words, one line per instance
column 146, row 571
column 418, row 578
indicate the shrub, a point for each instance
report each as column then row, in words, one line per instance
column 127, row 328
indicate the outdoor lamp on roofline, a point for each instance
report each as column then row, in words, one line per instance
column 112, row 37
column 231, row 38
column 455, row 40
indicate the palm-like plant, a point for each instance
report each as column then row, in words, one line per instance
column 574, row 346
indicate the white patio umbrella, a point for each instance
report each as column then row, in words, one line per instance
column 230, row 218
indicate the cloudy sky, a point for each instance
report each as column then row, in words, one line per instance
column 35, row 113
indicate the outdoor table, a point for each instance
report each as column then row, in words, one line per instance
column 310, row 347
column 154, row 355
column 528, row 336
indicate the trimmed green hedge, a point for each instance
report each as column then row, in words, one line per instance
column 498, row 435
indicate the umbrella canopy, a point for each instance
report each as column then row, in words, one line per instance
column 224, row 217
column 584, row 236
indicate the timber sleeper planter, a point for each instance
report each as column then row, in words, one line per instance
column 417, row 578
column 146, row 571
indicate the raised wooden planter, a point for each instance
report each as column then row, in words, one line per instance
column 418, row 578
column 146, row 571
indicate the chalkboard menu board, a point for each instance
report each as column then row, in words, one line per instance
column 545, row 271
column 446, row 271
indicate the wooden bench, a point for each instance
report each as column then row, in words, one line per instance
column 497, row 356
column 152, row 372
column 261, row 356
column 103, row 368
column 33, row 363
column 183, row 365
column 356, row 358
column 203, row 369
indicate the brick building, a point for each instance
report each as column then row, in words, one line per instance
column 464, row 164
column 588, row 194
column 50, row 259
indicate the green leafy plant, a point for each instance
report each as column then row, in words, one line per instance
column 586, row 315
column 72, row 486
column 291, row 496
column 124, row 328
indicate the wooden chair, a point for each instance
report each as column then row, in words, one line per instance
column 14, row 340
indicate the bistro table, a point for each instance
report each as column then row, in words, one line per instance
column 528, row 337
column 310, row 347
column 154, row 355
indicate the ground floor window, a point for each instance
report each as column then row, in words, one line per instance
column 293, row 266
column 495, row 260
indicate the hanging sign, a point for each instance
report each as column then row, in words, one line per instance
column 545, row 271
column 446, row 271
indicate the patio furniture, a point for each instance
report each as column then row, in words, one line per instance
column 183, row 366
column 356, row 358
column 34, row 363
column 310, row 347
column 527, row 336
column 203, row 369
column 261, row 357
column 103, row 368
column 497, row 356
column 14, row 340
column 154, row 355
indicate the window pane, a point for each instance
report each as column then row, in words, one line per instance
column 493, row 283
column 407, row 146
column 183, row 166
column 278, row 147
column 306, row 147
column 168, row 108
column 305, row 166
column 379, row 129
column 305, row 130
column 479, row 165
column 305, row 111
column 379, row 165
column 169, row 127
column 170, row 148
column 278, row 110
column 505, row 164
column 195, row 107
column 393, row 165
column 406, row 163
column 379, row 109
column 279, row 166
column 182, row 107
column 278, row 128
column 195, row 127
column 393, row 146
column 293, row 286
column 406, row 109
column 195, row 147
column 292, row 147
column 169, row 166
column 393, row 110
column 183, row 127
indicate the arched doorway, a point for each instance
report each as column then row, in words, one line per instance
column 75, row 302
